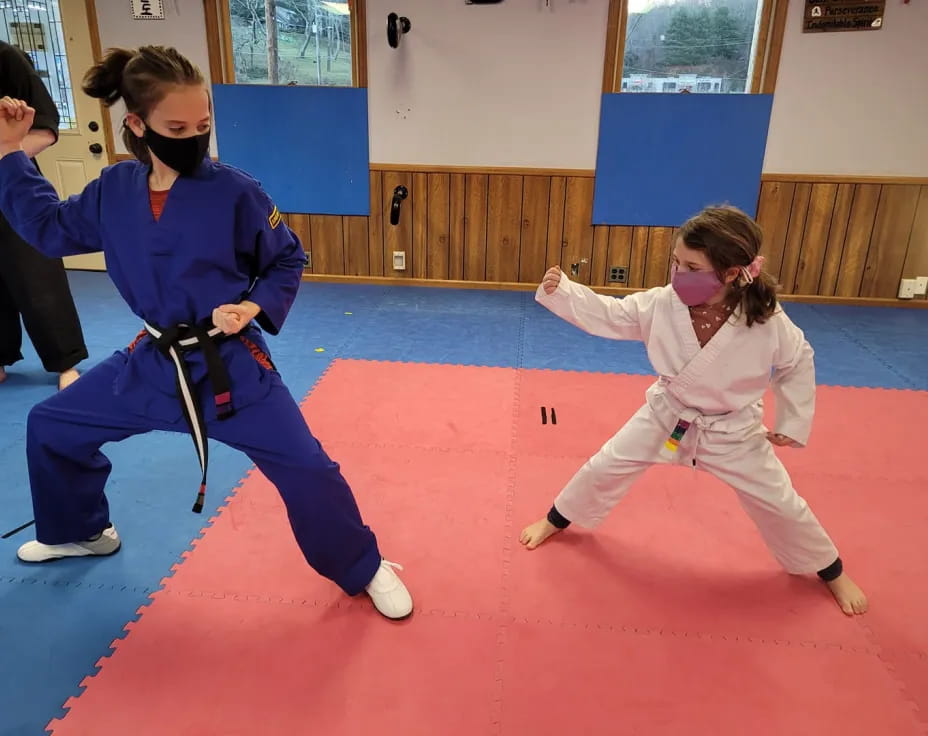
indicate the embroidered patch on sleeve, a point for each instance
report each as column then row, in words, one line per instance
column 274, row 218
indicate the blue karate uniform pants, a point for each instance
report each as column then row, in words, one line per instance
column 68, row 471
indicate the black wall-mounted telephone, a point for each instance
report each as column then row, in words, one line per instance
column 399, row 194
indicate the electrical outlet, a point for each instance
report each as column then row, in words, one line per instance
column 399, row 260
column 309, row 259
column 921, row 286
column 618, row 275
column 907, row 288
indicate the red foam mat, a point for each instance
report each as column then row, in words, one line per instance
column 671, row 618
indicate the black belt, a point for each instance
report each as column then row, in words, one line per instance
column 174, row 341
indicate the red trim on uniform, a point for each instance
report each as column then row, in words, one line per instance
column 257, row 353
column 138, row 338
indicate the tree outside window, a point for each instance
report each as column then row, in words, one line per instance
column 697, row 46
column 292, row 42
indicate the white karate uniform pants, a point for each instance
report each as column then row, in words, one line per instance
column 744, row 460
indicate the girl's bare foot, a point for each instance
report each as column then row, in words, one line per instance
column 537, row 533
column 848, row 595
column 66, row 378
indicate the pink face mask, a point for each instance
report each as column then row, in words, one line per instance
column 694, row 287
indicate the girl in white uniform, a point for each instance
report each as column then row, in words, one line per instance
column 717, row 339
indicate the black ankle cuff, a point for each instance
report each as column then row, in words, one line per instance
column 556, row 520
column 832, row 572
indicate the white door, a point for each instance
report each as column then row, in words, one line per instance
column 56, row 35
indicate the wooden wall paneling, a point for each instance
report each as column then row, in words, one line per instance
column 375, row 226
column 439, row 226
column 794, row 233
column 891, row 233
column 823, row 236
column 859, row 232
column 916, row 261
column 776, row 201
column 598, row 271
column 328, row 244
column 620, row 251
column 475, row 227
column 504, row 228
column 638, row 257
column 578, row 229
column 815, row 238
column 397, row 237
column 533, row 257
column 357, row 246
column 657, row 266
column 557, row 204
column 299, row 224
column 837, row 234
column 456, row 228
column 420, row 226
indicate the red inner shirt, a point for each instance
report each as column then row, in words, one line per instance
column 157, row 200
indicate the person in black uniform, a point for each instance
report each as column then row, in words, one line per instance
column 33, row 287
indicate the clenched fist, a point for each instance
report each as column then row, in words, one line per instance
column 781, row 440
column 16, row 119
column 551, row 280
column 233, row 318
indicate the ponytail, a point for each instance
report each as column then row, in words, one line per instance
column 759, row 298
column 104, row 79
column 141, row 78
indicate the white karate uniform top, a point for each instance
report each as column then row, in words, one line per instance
column 719, row 390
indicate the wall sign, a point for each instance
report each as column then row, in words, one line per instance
column 828, row 16
column 148, row 9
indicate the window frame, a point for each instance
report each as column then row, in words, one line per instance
column 764, row 65
column 219, row 42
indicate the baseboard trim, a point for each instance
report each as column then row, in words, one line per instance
column 843, row 179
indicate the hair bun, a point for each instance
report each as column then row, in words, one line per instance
column 104, row 79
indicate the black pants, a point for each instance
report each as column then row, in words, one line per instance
column 36, row 289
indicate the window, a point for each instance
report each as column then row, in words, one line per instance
column 291, row 42
column 701, row 46
column 34, row 26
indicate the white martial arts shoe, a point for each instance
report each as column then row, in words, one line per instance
column 106, row 544
column 388, row 593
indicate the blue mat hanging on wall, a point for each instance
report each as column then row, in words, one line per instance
column 308, row 146
column 663, row 157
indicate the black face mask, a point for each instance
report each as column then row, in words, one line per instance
column 184, row 155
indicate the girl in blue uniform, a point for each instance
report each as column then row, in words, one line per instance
column 200, row 253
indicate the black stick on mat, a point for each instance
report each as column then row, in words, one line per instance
column 553, row 416
column 544, row 415
column 17, row 530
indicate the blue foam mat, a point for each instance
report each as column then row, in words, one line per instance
column 51, row 637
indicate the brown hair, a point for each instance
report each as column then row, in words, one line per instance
column 141, row 78
column 729, row 239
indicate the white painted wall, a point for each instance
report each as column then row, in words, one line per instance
column 855, row 102
column 514, row 84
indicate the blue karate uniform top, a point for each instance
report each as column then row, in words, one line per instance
column 219, row 240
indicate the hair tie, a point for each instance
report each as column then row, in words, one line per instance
column 752, row 271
